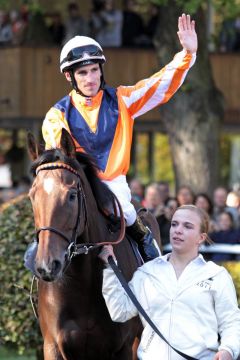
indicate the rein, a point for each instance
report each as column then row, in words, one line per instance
column 75, row 248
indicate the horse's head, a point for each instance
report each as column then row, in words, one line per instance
column 67, row 198
column 58, row 204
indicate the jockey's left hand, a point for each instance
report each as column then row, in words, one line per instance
column 223, row 355
column 106, row 251
column 187, row 34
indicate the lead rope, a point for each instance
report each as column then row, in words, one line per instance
column 34, row 307
column 30, row 294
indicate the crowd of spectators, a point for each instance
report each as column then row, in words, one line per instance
column 13, row 26
column 109, row 25
column 223, row 208
column 229, row 38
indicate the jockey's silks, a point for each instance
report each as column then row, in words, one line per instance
column 97, row 143
column 103, row 125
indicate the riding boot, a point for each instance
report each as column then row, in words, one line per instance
column 144, row 238
column 114, row 223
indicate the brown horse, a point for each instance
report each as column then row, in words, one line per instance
column 69, row 204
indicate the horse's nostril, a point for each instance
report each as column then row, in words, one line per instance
column 50, row 273
column 56, row 266
column 41, row 271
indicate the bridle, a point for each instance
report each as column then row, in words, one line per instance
column 75, row 248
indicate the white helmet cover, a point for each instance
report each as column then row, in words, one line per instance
column 81, row 49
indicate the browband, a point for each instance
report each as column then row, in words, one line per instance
column 56, row 165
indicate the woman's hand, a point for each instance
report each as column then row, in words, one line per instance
column 223, row 355
column 107, row 250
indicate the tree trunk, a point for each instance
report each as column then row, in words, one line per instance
column 191, row 118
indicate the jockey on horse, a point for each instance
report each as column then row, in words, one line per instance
column 100, row 118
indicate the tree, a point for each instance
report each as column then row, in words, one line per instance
column 193, row 116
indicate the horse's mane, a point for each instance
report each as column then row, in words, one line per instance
column 103, row 195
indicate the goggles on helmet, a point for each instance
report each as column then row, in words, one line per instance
column 83, row 52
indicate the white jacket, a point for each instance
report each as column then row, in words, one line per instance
column 190, row 311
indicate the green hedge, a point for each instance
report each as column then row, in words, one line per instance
column 18, row 326
column 234, row 269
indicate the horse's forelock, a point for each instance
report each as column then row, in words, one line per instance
column 103, row 195
column 51, row 156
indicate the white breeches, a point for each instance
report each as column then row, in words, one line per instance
column 120, row 188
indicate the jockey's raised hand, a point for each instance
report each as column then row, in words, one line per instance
column 187, row 34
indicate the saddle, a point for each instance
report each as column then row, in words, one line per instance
column 148, row 220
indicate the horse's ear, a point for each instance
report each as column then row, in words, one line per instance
column 67, row 144
column 33, row 148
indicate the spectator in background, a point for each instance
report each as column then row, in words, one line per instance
column 237, row 35
column 203, row 201
column 185, row 195
column 220, row 204
column 37, row 30
column 229, row 37
column 219, row 200
column 57, row 29
column 19, row 27
column 233, row 199
column 106, row 23
column 6, row 190
column 153, row 200
column 133, row 27
column 152, row 23
column 24, row 11
column 75, row 24
column 226, row 234
column 15, row 157
column 164, row 220
column 16, row 189
column 23, row 186
column 6, row 34
column 137, row 190
column 164, row 190
column 5, row 173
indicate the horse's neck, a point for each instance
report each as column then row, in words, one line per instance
column 96, row 230
column 85, row 270
column 79, row 289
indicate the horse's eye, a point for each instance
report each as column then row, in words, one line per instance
column 72, row 196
